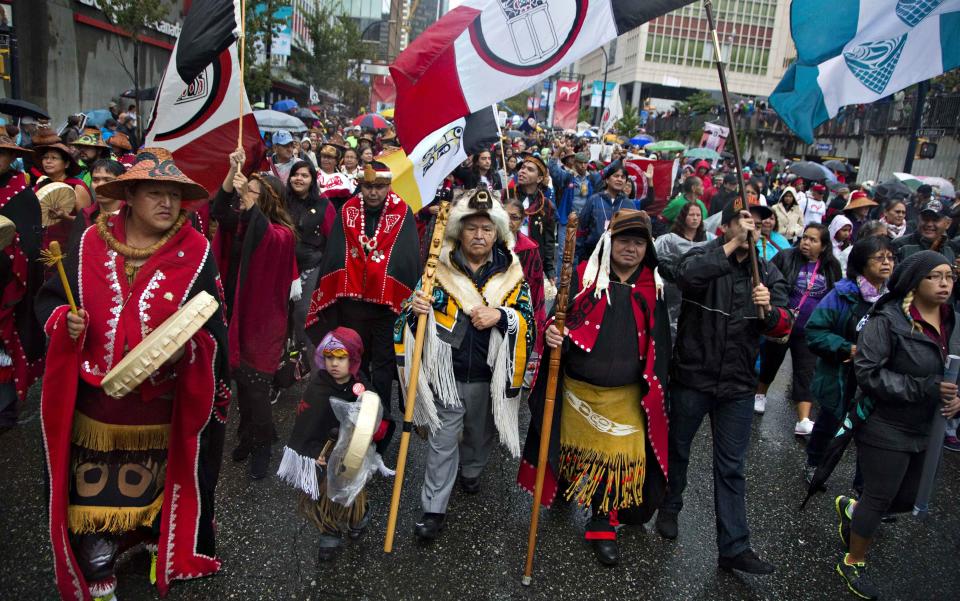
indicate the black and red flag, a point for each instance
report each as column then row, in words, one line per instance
column 201, row 98
column 486, row 50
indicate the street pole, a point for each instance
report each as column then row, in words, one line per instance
column 603, row 91
column 922, row 89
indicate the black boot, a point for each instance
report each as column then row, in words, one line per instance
column 242, row 450
column 603, row 539
column 329, row 545
column 667, row 524
column 259, row 461
column 429, row 526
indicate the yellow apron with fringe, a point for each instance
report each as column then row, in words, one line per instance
column 603, row 444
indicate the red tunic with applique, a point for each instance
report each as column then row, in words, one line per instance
column 188, row 400
column 381, row 268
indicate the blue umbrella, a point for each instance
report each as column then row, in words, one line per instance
column 285, row 105
column 98, row 117
column 588, row 133
column 642, row 140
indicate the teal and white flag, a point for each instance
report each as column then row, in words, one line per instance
column 857, row 52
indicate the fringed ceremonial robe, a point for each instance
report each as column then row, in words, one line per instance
column 151, row 458
column 608, row 443
column 454, row 297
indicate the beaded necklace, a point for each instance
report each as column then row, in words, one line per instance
column 369, row 244
column 130, row 252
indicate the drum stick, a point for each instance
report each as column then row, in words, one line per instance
column 546, row 427
column 52, row 256
column 439, row 227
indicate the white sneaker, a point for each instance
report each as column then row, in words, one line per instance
column 759, row 403
column 804, row 427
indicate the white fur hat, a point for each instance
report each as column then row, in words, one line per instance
column 479, row 201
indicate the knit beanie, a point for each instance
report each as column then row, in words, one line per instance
column 909, row 273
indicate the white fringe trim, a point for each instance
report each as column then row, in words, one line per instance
column 506, row 410
column 299, row 472
column 598, row 268
column 296, row 290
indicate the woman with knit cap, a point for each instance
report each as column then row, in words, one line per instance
column 899, row 363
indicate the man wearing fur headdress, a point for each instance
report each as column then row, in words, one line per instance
column 480, row 328
column 608, row 447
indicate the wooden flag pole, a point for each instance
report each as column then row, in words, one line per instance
column 553, row 375
column 708, row 6
column 439, row 227
column 242, row 51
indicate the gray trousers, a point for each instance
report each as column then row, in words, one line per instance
column 447, row 449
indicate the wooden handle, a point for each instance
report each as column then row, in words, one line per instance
column 553, row 374
column 55, row 252
column 429, row 271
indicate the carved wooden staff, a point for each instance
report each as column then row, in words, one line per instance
column 52, row 256
column 546, row 428
column 429, row 271
column 721, row 73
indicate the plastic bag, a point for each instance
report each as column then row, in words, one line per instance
column 342, row 487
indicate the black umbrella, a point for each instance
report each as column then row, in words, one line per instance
column 831, row 457
column 305, row 114
column 145, row 94
column 22, row 108
column 894, row 188
column 838, row 166
column 808, row 171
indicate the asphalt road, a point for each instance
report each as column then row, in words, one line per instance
column 269, row 551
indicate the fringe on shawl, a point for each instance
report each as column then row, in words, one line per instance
column 296, row 290
column 89, row 433
column 506, row 410
column 435, row 378
column 299, row 472
column 84, row 519
column 587, row 469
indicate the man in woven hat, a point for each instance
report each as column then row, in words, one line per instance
column 540, row 216
column 90, row 148
column 609, row 442
column 712, row 372
column 480, row 330
column 369, row 268
column 144, row 465
column 21, row 349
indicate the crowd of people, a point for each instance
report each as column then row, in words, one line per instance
column 318, row 269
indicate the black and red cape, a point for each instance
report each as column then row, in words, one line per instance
column 120, row 315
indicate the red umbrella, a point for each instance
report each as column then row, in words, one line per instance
column 372, row 121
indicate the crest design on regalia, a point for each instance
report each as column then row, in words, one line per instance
column 873, row 63
column 912, row 12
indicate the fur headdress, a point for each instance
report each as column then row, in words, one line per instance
column 479, row 201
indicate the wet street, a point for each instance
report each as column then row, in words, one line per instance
column 269, row 551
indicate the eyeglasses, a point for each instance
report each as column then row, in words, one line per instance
column 884, row 259
column 940, row 276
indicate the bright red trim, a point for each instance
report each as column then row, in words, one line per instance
column 599, row 535
column 92, row 22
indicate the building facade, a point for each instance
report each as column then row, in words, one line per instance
column 672, row 56
column 72, row 59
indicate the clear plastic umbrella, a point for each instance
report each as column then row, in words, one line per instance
column 273, row 121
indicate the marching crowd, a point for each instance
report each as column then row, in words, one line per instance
column 322, row 272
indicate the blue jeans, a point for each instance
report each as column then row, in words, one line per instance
column 730, row 421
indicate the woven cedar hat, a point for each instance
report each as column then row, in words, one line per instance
column 90, row 137
column 7, row 143
column 858, row 200
column 155, row 165
column 45, row 139
column 120, row 142
column 331, row 150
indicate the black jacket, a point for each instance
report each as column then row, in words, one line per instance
column 790, row 261
column 899, row 368
column 904, row 246
column 470, row 357
column 718, row 333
